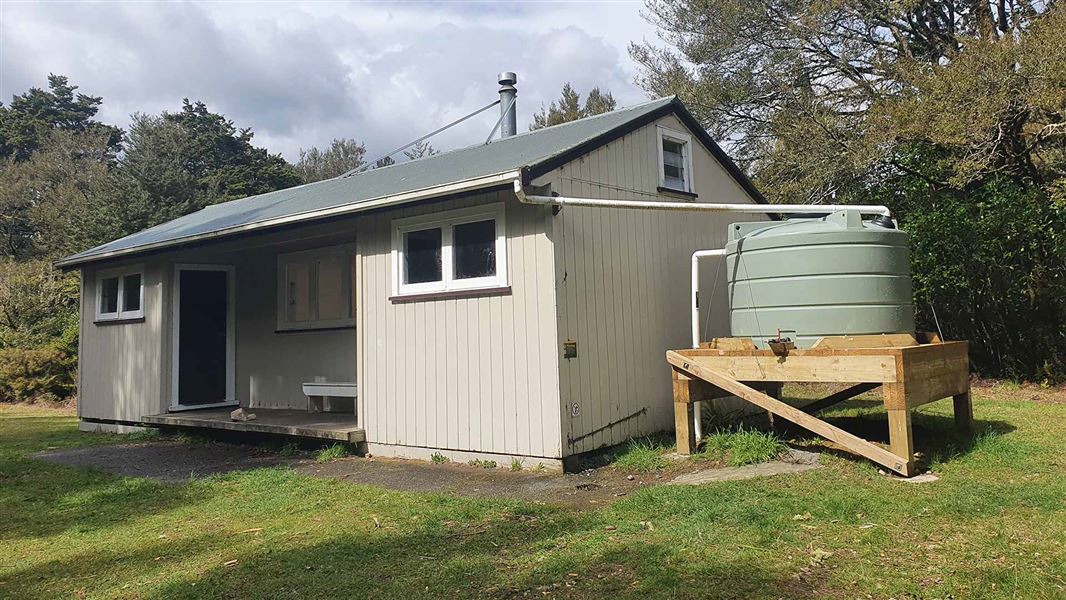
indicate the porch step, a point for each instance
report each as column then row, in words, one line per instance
column 299, row 423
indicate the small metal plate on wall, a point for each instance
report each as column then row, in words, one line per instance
column 569, row 349
column 575, row 410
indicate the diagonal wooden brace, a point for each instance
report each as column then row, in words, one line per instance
column 900, row 464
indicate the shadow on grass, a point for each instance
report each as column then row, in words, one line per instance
column 935, row 436
column 429, row 564
column 39, row 499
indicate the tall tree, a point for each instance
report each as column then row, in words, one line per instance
column 34, row 113
column 46, row 199
column 419, row 150
column 569, row 108
column 813, row 94
column 342, row 156
column 177, row 163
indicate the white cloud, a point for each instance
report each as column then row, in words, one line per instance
column 301, row 74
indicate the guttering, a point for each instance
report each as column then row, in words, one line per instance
column 820, row 209
column 340, row 210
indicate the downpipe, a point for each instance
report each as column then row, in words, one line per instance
column 697, row 407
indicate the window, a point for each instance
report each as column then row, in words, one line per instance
column 315, row 289
column 459, row 250
column 675, row 161
column 120, row 294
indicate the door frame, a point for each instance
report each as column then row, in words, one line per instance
column 231, row 338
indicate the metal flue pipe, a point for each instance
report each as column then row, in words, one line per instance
column 508, row 95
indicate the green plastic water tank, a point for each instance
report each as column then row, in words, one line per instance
column 813, row 277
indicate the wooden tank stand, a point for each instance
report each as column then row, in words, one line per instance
column 912, row 370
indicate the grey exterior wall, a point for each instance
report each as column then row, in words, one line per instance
column 461, row 373
column 623, row 279
column 125, row 369
column 120, row 365
column 482, row 374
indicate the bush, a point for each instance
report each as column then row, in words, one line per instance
column 991, row 263
column 38, row 306
column 35, row 375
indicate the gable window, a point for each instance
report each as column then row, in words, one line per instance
column 120, row 294
column 675, row 161
column 457, row 250
column 315, row 289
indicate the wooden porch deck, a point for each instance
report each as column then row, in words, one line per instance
column 327, row 426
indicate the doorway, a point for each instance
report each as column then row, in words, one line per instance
column 203, row 337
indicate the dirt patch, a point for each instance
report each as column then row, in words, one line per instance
column 176, row 460
column 169, row 460
column 588, row 488
column 795, row 461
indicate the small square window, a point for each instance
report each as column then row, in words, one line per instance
column 109, row 295
column 120, row 294
column 422, row 256
column 475, row 249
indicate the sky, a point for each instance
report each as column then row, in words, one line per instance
column 300, row 74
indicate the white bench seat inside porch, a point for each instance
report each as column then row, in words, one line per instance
column 331, row 396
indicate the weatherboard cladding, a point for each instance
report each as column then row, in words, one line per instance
column 534, row 153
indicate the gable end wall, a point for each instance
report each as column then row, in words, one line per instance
column 622, row 284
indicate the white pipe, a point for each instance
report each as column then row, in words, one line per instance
column 698, row 206
column 696, row 256
column 697, row 407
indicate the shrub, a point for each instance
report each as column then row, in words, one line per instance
column 38, row 374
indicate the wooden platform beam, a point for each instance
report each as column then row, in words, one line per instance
column 841, row 396
column 913, row 370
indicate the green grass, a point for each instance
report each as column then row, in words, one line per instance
column 642, row 454
column 993, row 526
column 740, row 447
column 331, row 453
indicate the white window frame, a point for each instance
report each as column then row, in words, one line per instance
column 447, row 221
column 686, row 153
column 310, row 256
column 121, row 314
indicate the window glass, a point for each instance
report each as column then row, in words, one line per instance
column 474, row 249
column 333, row 303
column 422, row 256
column 109, row 295
column 674, row 164
column 131, row 292
column 298, row 292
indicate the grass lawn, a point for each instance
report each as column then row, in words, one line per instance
column 993, row 526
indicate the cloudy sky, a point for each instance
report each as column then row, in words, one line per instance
column 300, row 74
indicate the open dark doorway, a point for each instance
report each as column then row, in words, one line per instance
column 203, row 370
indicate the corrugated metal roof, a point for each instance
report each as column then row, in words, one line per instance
column 522, row 151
